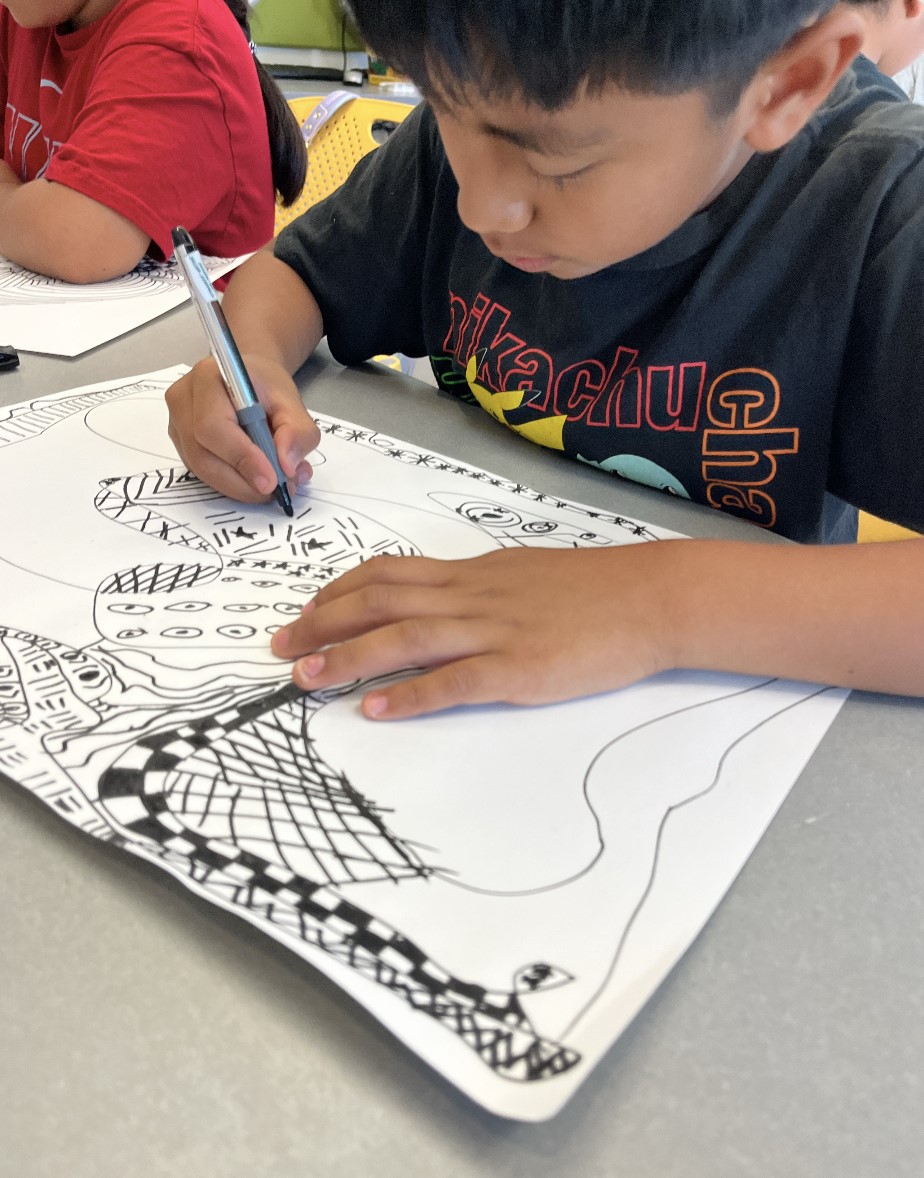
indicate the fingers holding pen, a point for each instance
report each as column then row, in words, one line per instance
column 209, row 439
column 204, row 429
column 294, row 432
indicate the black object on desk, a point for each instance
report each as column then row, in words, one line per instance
column 9, row 358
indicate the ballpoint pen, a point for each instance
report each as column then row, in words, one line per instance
column 236, row 379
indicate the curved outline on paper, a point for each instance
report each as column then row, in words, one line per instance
column 674, row 807
column 29, row 419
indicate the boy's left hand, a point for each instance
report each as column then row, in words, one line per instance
column 522, row 626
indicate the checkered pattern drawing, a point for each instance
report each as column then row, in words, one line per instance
column 246, row 804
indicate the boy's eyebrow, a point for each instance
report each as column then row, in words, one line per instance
column 548, row 141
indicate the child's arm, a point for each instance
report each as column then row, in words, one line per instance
column 532, row 626
column 537, row 625
column 57, row 231
column 276, row 324
column 277, row 321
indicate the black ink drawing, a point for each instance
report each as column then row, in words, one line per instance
column 143, row 705
column 18, row 285
column 63, row 318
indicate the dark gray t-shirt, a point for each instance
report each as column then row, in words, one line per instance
column 766, row 353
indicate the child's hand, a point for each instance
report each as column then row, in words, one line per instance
column 524, row 626
column 211, row 443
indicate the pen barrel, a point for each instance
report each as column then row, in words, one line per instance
column 230, row 363
column 252, row 421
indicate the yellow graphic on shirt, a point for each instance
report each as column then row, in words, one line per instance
column 546, row 431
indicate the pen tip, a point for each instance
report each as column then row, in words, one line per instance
column 284, row 499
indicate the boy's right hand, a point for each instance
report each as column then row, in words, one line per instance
column 204, row 428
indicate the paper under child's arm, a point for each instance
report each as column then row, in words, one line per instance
column 56, row 231
column 276, row 324
column 534, row 626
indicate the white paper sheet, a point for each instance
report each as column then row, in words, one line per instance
column 503, row 888
column 40, row 314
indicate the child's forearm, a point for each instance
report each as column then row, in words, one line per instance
column 271, row 312
column 62, row 233
column 849, row 615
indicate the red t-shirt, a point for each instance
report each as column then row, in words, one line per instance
column 154, row 110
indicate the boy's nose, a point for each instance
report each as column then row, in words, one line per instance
column 494, row 204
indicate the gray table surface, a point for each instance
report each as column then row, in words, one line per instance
column 146, row 1033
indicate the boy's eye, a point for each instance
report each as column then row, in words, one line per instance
column 560, row 179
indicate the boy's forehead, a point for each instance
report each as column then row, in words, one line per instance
column 604, row 116
column 583, row 122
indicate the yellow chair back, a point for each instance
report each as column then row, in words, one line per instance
column 338, row 146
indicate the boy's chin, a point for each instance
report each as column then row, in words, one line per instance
column 566, row 269
column 563, row 268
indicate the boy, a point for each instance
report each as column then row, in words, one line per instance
column 894, row 32
column 692, row 236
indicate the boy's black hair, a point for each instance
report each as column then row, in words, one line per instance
column 543, row 50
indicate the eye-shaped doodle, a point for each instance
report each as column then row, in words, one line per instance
column 230, row 578
column 131, row 634
column 130, row 607
column 272, row 629
column 539, row 976
column 242, row 607
column 303, row 588
column 187, row 607
column 287, row 607
column 539, row 527
column 490, row 513
column 181, row 632
column 237, row 631
column 265, row 584
column 89, row 674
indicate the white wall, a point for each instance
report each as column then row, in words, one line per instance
column 912, row 80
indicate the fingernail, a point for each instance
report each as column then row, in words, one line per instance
column 375, row 706
column 309, row 668
column 264, row 484
column 302, row 474
column 280, row 640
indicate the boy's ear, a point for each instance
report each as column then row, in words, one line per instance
column 790, row 87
